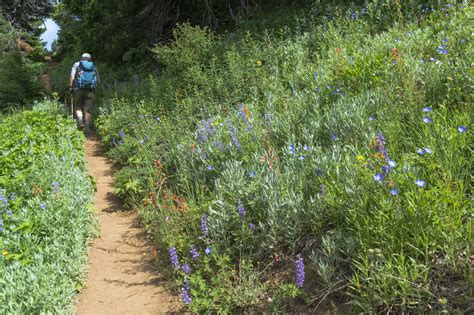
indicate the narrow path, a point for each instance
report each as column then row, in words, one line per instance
column 121, row 278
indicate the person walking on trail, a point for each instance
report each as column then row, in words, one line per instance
column 82, row 83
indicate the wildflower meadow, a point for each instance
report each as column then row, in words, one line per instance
column 326, row 165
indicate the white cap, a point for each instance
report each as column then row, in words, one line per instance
column 86, row 56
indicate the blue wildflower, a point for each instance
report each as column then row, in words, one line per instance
column 382, row 145
column 420, row 183
column 420, row 151
column 427, row 109
column 410, row 34
column 386, row 169
column 207, row 126
column 241, row 210
column 442, row 50
column 291, row 148
column 194, row 253
column 428, row 150
column 305, row 147
column 378, row 177
column 233, row 136
column 333, row 137
column 12, row 196
column 392, row 163
column 208, row 250
column 354, row 16
column 121, row 134
column 426, row 120
column 371, row 118
column 204, row 228
column 185, row 298
column 4, row 201
column 299, row 271
column 315, row 75
column 252, row 226
column 462, row 129
column 219, row 145
column 186, row 269
column 252, row 174
column 173, row 257
column 394, row 191
column 210, row 168
column 42, row 205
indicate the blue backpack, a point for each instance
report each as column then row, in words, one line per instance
column 86, row 78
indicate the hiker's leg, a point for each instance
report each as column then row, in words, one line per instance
column 78, row 96
column 88, row 108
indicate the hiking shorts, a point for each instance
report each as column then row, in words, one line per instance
column 83, row 99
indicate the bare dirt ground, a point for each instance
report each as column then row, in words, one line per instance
column 121, row 277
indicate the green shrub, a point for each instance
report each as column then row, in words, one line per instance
column 46, row 214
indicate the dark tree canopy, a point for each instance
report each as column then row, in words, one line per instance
column 24, row 14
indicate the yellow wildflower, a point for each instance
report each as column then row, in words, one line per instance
column 360, row 158
column 5, row 253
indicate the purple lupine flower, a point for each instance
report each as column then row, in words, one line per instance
column 186, row 269
column 420, row 151
column 252, row 227
column 174, row 257
column 394, row 191
column 391, row 163
column 233, row 136
column 241, row 210
column 202, row 135
column 121, row 134
column 208, row 127
column 219, row 145
column 462, row 129
column 299, row 271
column 426, row 119
column 208, row 250
column 382, row 145
column 378, row 177
column 420, row 183
column 333, row 137
column 185, row 295
column 194, row 253
column 4, row 201
column 242, row 112
column 203, row 152
column 386, row 169
column 204, row 228
column 428, row 150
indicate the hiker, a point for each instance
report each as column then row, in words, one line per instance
column 82, row 82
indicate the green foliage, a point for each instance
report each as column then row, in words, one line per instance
column 18, row 76
column 293, row 127
column 46, row 215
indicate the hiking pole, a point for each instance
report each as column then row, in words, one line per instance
column 72, row 105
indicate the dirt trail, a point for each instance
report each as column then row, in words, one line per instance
column 121, row 278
